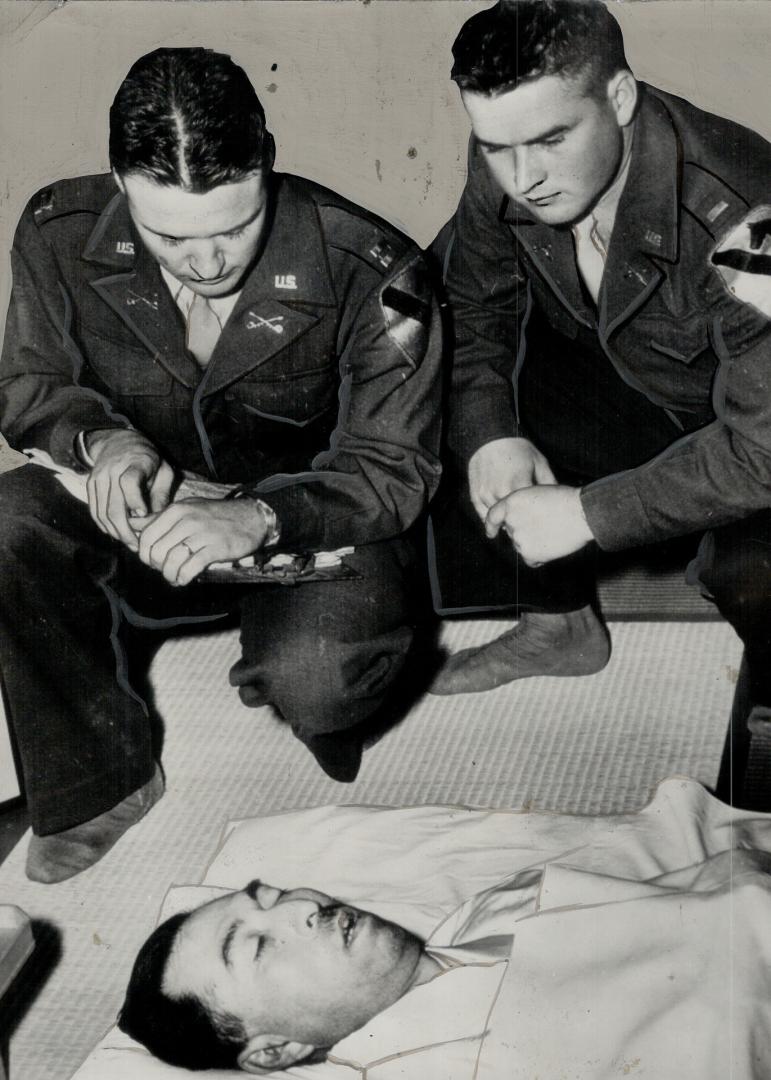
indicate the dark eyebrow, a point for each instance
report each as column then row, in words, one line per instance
column 558, row 129
column 227, row 941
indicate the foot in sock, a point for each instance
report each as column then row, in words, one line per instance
column 542, row 643
column 62, row 855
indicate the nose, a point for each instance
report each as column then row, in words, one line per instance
column 206, row 261
column 300, row 917
column 528, row 171
column 266, row 896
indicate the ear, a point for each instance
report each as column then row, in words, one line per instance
column 270, row 154
column 270, row 1053
column 623, row 93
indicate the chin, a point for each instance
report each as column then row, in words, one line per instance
column 397, row 938
column 221, row 288
column 560, row 214
column 402, row 953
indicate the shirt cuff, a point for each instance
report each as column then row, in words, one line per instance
column 81, row 450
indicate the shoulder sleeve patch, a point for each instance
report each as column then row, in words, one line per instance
column 405, row 301
column 80, row 194
column 363, row 237
column 743, row 260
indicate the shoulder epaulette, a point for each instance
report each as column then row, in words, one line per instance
column 363, row 235
column 726, row 166
column 713, row 202
column 83, row 194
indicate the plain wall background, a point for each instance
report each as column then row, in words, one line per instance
column 360, row 99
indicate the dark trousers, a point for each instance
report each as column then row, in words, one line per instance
column 590, row 423
column 324, row 654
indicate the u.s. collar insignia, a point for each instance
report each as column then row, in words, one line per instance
column 124, row 247
column 285, row 281
column 743, row 260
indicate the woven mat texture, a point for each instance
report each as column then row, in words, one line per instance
column 590, row 745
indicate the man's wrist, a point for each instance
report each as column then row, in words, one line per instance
column 471, row 448
column 272, row 528
column 269, row 518
column 581, row 515
column 87, row 443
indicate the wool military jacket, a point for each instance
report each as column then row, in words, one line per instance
column 684, row 316
column 321, row 395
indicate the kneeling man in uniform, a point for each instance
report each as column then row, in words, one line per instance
column 194, row 313
column 608, row 274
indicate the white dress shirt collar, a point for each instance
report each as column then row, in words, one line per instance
column 183, row 297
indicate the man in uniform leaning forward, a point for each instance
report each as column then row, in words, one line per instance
column 607, row 272
column 193, row 310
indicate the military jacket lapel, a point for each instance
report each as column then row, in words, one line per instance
column 645, row 231
column 135, row 291
column 284, row 296
column 553, row 253
column 646, row 226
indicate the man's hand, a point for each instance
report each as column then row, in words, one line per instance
column 128, row 477
column 543, row 523
column 189, row 535
column 502, row 466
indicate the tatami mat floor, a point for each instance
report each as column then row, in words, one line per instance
column 587, row 745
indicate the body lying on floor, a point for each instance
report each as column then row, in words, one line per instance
column 609, row 942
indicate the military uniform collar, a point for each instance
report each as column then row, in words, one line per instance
column 113, row 241
column 647, row 218
column 292, row 266
column 648, row 213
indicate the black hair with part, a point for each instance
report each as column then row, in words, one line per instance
column 179, row 1031
column 188, row 118
column 517, row 41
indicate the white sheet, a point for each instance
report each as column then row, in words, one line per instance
column 613, row 979
column 597, row 932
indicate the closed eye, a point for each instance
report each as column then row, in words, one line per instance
column 175, row 241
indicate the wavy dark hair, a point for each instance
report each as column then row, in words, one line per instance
column 180, row 1031
column 516, row 41
column 188, row 118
